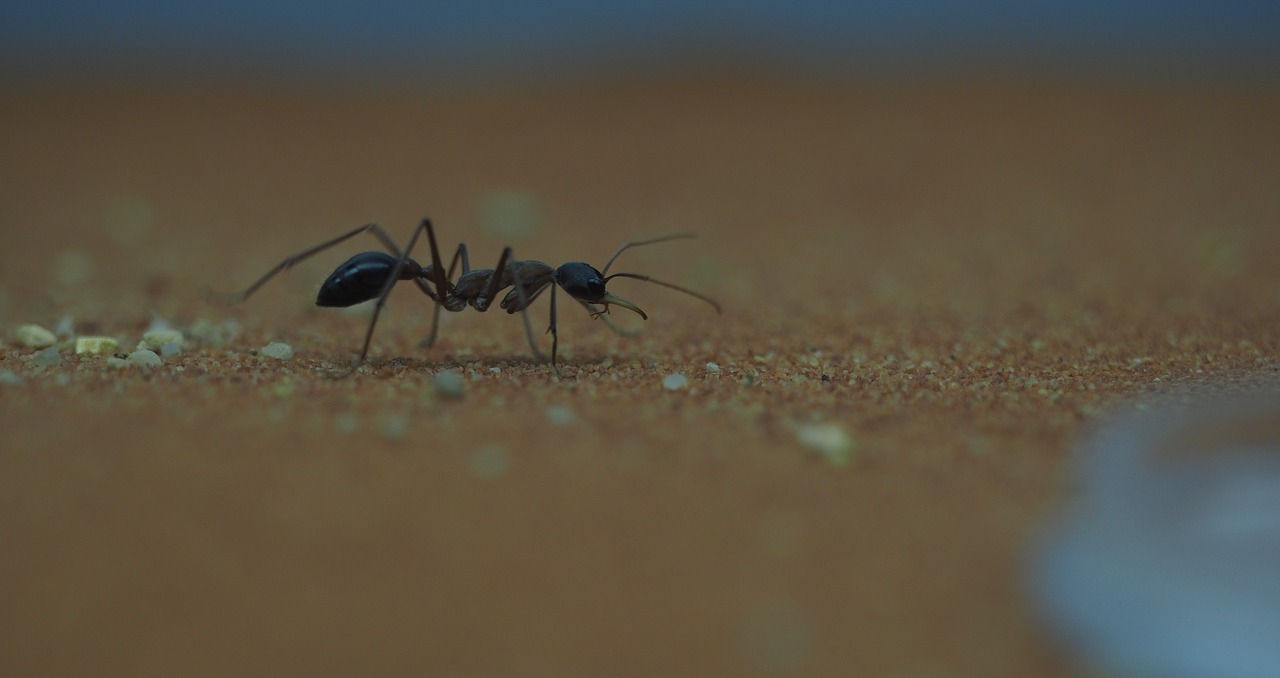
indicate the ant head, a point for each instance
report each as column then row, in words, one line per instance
column 584, row 283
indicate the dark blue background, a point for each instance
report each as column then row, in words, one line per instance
column 394, row 38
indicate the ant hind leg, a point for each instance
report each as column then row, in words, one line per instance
column 392, row 279
column 229, row 298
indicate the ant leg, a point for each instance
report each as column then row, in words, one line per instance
column 495, row 280
column 228, row 298
column 391, row 282
column 461, row 253
column 638, row 243
column 555, row 335
column 523, row 300
column 599, row 314
column 466, row 261
column 443, row 285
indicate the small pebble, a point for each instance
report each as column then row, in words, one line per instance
column 713, row 368
column 156, row 339
column 66, row 327
column 10, row 378
column 448, row 384
column 206, row 331
column 170, row 350
column 35, row 336
column 675, row 382
column 277, row 350
column 830, row 441
column 144, row 358
column 95, row 345
column 48, row 357
column 561, row 415
column 117, row 363
column 158, row 324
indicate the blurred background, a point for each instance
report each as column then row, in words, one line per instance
column 395, row 39
column 946, row 236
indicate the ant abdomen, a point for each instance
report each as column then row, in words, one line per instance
column 359, row 279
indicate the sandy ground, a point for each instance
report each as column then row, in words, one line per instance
column 945, row 281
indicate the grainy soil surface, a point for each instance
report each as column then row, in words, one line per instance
column 929, row 290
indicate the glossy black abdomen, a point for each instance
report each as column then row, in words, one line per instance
column 358, row 279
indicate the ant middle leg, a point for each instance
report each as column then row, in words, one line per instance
column 555, row 334
column 459, row 254
column 505, row 264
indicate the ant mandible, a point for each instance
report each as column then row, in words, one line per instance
column 372, row 275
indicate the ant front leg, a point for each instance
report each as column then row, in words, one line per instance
column 555, row 335
column 527, row 286
column 600, row 314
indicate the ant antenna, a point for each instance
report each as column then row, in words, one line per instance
column 651, row 241
column 646, row 278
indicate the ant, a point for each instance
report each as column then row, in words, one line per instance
column 371, row 275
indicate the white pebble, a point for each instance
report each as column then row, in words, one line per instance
column 675, row 382
column 215, row 335
column 156, row 339
column 48, row 357
column 1165, row 561
column 561, row 415
column 95, row 345
column 35, row 336
column 170, row 350
column 713, row 368
column 144, row 358
column 158, row 324
column 448, row 383
column 277, row 350
column 830, row 441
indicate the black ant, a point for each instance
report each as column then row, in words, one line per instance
column 371, row 275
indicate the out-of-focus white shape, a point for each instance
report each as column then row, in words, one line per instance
column 1167, row 562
